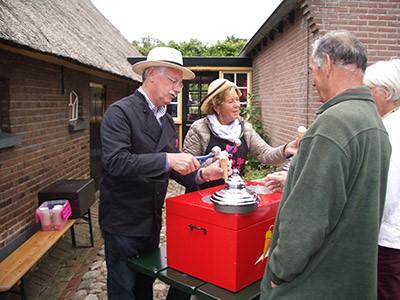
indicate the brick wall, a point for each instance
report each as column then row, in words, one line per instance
column 280, row 81
column 39, row 114
column 280, row 68
column 376, row 23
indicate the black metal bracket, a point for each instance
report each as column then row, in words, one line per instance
column 88, row 220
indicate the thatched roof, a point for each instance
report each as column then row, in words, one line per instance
column 71, row 29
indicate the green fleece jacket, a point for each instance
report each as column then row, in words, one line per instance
column 325, row 236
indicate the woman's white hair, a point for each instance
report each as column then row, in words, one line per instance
column 385, row 73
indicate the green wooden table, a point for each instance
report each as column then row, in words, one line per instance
column 182, row 285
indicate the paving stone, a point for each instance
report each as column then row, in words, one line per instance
column 96, row 265
column 91, row 275
column 80, row 295
column 91, row 297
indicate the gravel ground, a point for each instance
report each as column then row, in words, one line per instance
column 93, row 283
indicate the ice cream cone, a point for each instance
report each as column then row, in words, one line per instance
column 301, row 131
column 224, row 162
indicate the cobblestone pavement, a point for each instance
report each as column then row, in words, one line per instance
column 92, row 285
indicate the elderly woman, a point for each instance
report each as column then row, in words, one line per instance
column 224, row 127
column 383, row 78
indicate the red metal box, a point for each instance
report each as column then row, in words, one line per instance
column 219, row 248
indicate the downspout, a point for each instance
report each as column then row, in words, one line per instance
column 308, row 75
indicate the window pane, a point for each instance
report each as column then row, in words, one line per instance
column 172, row 109
column 4, row 102
column 241, row 79
column 197, row 91
column 193, row 112
column 193, row 86
column 204, row 88
column 230, row 76
column 194, row 97
column 75, row 108
column 244, row 95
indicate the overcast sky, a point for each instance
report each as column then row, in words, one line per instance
column 180, row 20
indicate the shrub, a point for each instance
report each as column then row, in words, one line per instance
column 253, row 168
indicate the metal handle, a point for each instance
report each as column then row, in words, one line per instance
column 202, row 159
column 194, row 227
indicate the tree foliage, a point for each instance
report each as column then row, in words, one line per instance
column 231, row 46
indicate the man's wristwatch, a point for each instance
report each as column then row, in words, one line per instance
column 201, row 175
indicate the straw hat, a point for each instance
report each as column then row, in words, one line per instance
column 163, row 57
column 215, row 87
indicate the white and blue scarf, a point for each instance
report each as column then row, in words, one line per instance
column 230, row 132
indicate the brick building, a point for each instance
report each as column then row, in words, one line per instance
column 280, row 51
column 61, row 64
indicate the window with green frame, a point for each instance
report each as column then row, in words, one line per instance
column 197, row 91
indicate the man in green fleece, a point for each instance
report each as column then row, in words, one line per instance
column 326, row 231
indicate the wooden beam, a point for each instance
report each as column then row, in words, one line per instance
column 280, row 26
column 62, row 62
column 291, row 17
column 272, row 34
column 265, row 41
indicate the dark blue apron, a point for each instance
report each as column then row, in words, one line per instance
column 238, row 159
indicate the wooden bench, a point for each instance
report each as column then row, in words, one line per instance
column 16, row 266
column 182, row 285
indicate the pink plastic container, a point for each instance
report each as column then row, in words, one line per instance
column 53, row 214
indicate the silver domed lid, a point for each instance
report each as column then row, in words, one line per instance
column 235, row 193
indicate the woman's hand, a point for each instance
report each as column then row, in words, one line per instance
column 291, row 148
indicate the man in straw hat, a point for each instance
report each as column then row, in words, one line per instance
column 140, row 154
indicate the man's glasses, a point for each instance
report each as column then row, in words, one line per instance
column 174, row 82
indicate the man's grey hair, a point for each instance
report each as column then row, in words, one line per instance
column 144, row 76
column 343, row 48
column 385, row 73
column 158, row 69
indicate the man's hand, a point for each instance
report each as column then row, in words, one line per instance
column 273, row 285
column 276, row 181
column 214, row 171
column 182, row 163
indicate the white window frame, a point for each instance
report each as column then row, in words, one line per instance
column 74, row 106
column 177, row 102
